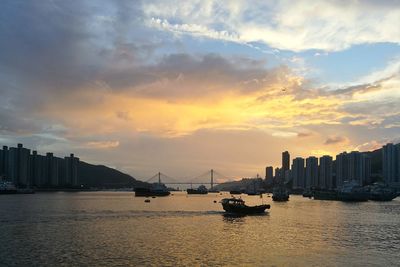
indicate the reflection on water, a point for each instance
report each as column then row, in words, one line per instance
column 115, row 228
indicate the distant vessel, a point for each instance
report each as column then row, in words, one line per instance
column 352, row 192
column 7, row 187
column 325, row 195
column 238, row 206
column 280, row 193
column 307, row 193
column 157, row 189
column 235, row 192
column 201, row 190
column 381, row 192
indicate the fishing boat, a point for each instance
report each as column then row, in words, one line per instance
column 280, row 193
column 238, row 206
column 381, row 192
column 351, row 191
column 201, row 190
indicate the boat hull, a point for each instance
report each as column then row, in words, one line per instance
column 196, row 192
column 8, row 192
column 352, row 197
column 382, row 197
column 280, row 198
column 145, row 192
column 245, row 209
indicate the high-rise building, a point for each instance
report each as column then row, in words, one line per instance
column 342, row 169
column 18, row 166
column 311, row 172
column 269, row 173
column 4, row 162
column 51, row 171
column 391, row 163
column 298, row 173
column 325, row 180
column 71, row 170
column 359, row 167
column 285, row 161
column 38, row 170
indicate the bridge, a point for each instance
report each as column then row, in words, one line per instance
column 210, row 177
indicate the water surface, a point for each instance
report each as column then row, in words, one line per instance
column 117, row 229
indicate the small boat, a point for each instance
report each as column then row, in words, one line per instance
column 157, row 189
column 201, row 190
column 238, row 206
column 325, row 195
column 235, row 192
column 352, row 192
column 381, row 192
column 280, row 193
column 307, row 193
column 7, row 187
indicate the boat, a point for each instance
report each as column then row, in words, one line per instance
column 381, row 192
column 325, row 195
column 307, row 193
column 201, row 190
column 7, row 187
column 238, row 206
column 351, row 191
column 235, row 192
column 157, row 189
column 280, row 193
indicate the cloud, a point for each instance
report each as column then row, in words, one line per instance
column 102, row 144
column 334, row 140
column 326, row 26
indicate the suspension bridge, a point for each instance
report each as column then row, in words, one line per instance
column 211, row 177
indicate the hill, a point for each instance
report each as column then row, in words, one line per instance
column 101, row 176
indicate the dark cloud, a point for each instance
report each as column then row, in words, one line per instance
column 335, row 140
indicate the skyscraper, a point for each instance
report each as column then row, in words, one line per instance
column 359, row 167
column 71, row 170
column 325, row 180
column 311, row 172
column 391, row 163
column 342, row 169
column 285, row 161
column 18, row 166
column 298, row 173
column 269, row 173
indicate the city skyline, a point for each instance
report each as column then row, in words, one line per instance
column 150, row 86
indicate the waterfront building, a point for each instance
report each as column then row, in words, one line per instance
column 342, row 169
column 359, row 167
column 311, row 172
column 18, row 166
column 71, row 170
column 269, row 173
column 51, row 171
column 285, row 161
column 391, row 164
column 298, row 173
column 38, row 170
column 4, row 162
column 325, row 179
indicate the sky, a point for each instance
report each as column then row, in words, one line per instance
column 185, row 86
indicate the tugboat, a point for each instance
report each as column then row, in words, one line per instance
column 381, row 192
column 280, row 193
column 238, row 206
column 201, row 190
column 352, row 192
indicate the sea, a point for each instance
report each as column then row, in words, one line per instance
column 119, row 229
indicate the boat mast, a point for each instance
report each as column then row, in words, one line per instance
column 159, row 177
column 212, row 179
